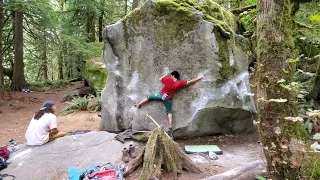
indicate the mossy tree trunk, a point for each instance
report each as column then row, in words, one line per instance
column 282, row 138
column 316, row 89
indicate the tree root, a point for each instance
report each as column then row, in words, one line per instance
column 161, row 152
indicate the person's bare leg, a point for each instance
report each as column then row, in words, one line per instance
column 170, row 124
column 170, row 120
column 142, row 102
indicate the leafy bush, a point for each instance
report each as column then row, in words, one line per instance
column 77, row 104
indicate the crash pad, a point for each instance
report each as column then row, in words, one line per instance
column 202, row 149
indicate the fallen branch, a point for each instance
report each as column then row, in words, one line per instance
column 49, row 93
column 135, row 164
column 249, row 171
column 242, row 9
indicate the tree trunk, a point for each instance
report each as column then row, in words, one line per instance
column 18, row 80
column 91, row 31
column 135, row 4
column 39, row 73
column 125, row 7
column 1, row 55
column 60, row 65
column 100, row 26
column 100, row 20
column 315, row 94
column 44, row 60
column 280, row 135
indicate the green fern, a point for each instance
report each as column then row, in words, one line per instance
column 97, row 104
column 308, row 126
column 77, row 104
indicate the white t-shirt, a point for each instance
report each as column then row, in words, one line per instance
column 38, row 130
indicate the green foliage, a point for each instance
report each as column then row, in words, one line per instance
column 308, row 126
column 307, row 32
column 77, row 104
column 315, row 18
column 250, row 2
column 248, row 19
column 310, row 166
column 96, row 106
column 56, row 35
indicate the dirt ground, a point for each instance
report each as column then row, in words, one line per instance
column 17, row 109
column 238, row 150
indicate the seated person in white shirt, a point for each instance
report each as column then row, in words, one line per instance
column 43, row 126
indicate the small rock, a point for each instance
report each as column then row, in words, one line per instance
column 315, row 146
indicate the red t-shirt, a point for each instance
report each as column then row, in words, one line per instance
column 171, row 87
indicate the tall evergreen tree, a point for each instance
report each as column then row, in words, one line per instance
column 18, row 80
column 1, row 48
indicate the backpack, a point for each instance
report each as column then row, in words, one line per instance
column 4, row 152
column 3, row 163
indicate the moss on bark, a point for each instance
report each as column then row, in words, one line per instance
column 283, row 140
column 310, row 166
column 294, row 130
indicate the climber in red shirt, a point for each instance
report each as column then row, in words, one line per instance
column 171, row 85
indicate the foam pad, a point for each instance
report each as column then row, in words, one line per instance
column 202, row 149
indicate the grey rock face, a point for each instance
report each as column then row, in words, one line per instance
column 51, row 161
column 141, row 48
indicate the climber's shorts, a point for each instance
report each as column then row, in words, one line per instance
column 158, row 97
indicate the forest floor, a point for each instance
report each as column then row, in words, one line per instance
column 17, row 109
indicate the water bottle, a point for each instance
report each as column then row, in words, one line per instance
column 13, row 145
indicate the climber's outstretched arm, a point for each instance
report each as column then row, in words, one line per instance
column 194, row 80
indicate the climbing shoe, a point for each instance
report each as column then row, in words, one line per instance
column 170, row 132
column 125, row 155
column 137, row 105
column 132, row 151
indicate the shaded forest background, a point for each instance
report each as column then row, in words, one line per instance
column 49, row 40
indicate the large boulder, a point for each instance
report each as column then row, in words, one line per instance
column 52, row 160
column 193, row 39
